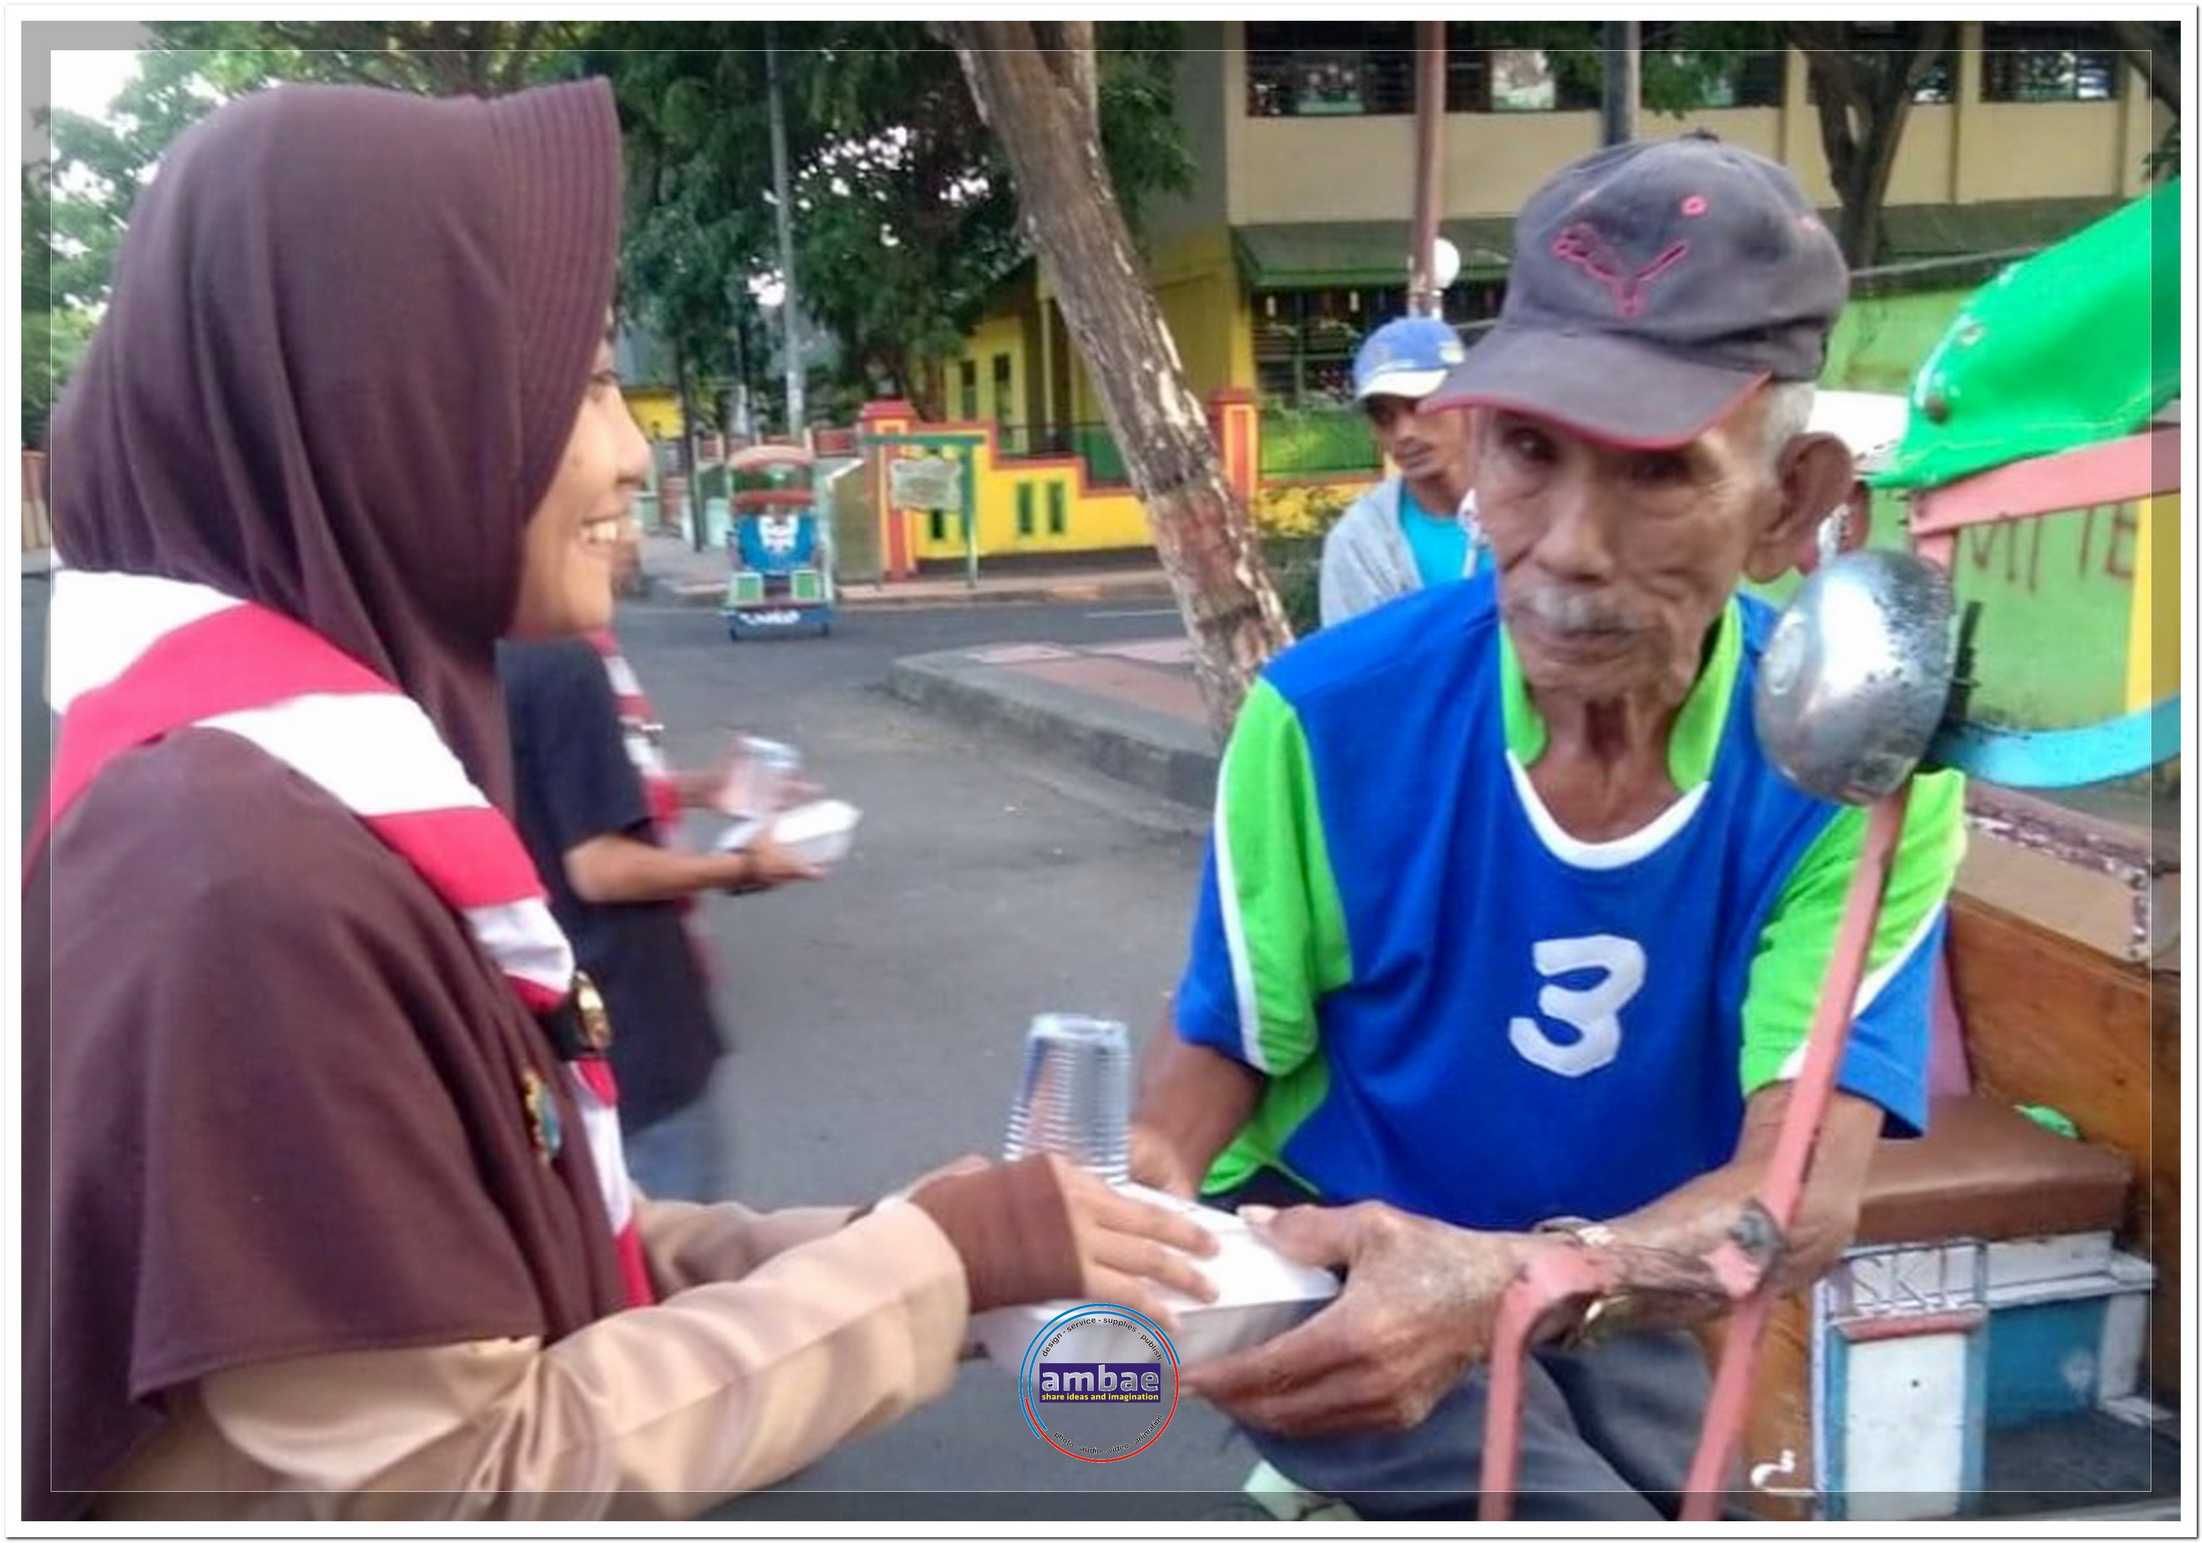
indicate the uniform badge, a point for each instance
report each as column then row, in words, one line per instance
column 596, row 1021
column 542, row 1109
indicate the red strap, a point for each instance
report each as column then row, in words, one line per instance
column 634, row 1268
column 241, row 658
column 471, row 857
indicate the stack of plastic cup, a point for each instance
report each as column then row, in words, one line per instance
column 1075, row 1095
column 760, row 772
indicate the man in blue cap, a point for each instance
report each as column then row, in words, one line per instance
column 1415, row 528
column 1510, row 935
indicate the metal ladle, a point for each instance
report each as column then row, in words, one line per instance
column 1856, row 675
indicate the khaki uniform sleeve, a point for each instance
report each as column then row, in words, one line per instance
column 655, row 1413
column 693, row 1245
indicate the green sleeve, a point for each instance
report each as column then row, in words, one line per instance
column 1283, row 925
column 1799, row 937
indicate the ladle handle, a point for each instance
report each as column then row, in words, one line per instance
column 1783, row 1187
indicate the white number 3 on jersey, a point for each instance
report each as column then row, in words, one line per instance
column 1593, row 1012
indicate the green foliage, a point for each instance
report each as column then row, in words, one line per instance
column 905, row 220
column 1295, row 566
column 1685, row 65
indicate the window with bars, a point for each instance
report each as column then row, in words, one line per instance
column 2042, row 62
column 1297, row 69
column 1004, row 408
column 1305, row 339
column 967, row 388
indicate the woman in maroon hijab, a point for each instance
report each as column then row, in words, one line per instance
column 325, row 1209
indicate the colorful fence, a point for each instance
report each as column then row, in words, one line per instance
column 1032, row 496
column 1066, row 490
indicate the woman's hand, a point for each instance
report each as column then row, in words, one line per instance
column 1127, row 1247
column 1042, row 1229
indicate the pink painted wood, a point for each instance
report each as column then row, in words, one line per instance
column 1783, row 1187
column 1556, row 1275
column 2113, row 472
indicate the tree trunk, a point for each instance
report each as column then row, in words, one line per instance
column 688, row 446
column 2155, row 54
column 1863, row 108
column 1039, row 101
column 1865, row 190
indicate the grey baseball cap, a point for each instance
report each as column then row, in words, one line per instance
column 1654, row 286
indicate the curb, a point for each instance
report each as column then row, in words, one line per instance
column 1149, row 750
column 662, row 591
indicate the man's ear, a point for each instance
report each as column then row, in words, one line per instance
column 1813, row 479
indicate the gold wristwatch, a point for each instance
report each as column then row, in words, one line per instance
column 1605, row 1315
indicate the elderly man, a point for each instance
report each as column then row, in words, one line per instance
column 1413, row 529
column 1508, row 927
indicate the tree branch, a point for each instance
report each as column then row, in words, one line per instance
column 2155, row 56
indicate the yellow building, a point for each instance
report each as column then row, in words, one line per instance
column 1292, row 239
column 645, row 367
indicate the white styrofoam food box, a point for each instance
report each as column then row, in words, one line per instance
column 820, row 832
column 1260, row 1294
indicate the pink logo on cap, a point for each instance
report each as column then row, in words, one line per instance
column 1587, row 250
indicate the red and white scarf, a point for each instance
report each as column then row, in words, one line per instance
column 638, row 729
column 136, row 657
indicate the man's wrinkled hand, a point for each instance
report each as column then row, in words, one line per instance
column 1416, row 1312
column 1152, row 1161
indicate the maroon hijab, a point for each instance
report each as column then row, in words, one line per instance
column 349, row 334
column 272, row 1088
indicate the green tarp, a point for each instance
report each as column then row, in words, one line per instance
column 2074, row 345
column 1321, row 254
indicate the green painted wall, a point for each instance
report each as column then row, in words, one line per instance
column 2056, row 593
column 1879, row 342
column 2056, row 600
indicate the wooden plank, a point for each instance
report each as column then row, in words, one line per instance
column 2164, row 1358
column 2114, row 472
column 2051, row 1021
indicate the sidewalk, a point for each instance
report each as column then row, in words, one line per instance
column 1127, row 710
column 675, row 574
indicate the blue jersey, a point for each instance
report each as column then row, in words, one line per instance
column 1467, row 1012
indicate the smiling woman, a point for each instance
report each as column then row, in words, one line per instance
column 340, row 1223
column 572, row 543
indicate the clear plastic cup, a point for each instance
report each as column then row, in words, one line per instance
column 758, row 774
column 1074, row 1097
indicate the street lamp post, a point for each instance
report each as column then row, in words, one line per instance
column 784, row 208
column 1624, row 66
column 1425, row 291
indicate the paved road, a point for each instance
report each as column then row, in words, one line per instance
column 880, row 1014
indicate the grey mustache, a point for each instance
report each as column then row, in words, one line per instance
column 1572, row 611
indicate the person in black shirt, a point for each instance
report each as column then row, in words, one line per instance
column 621, row 891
